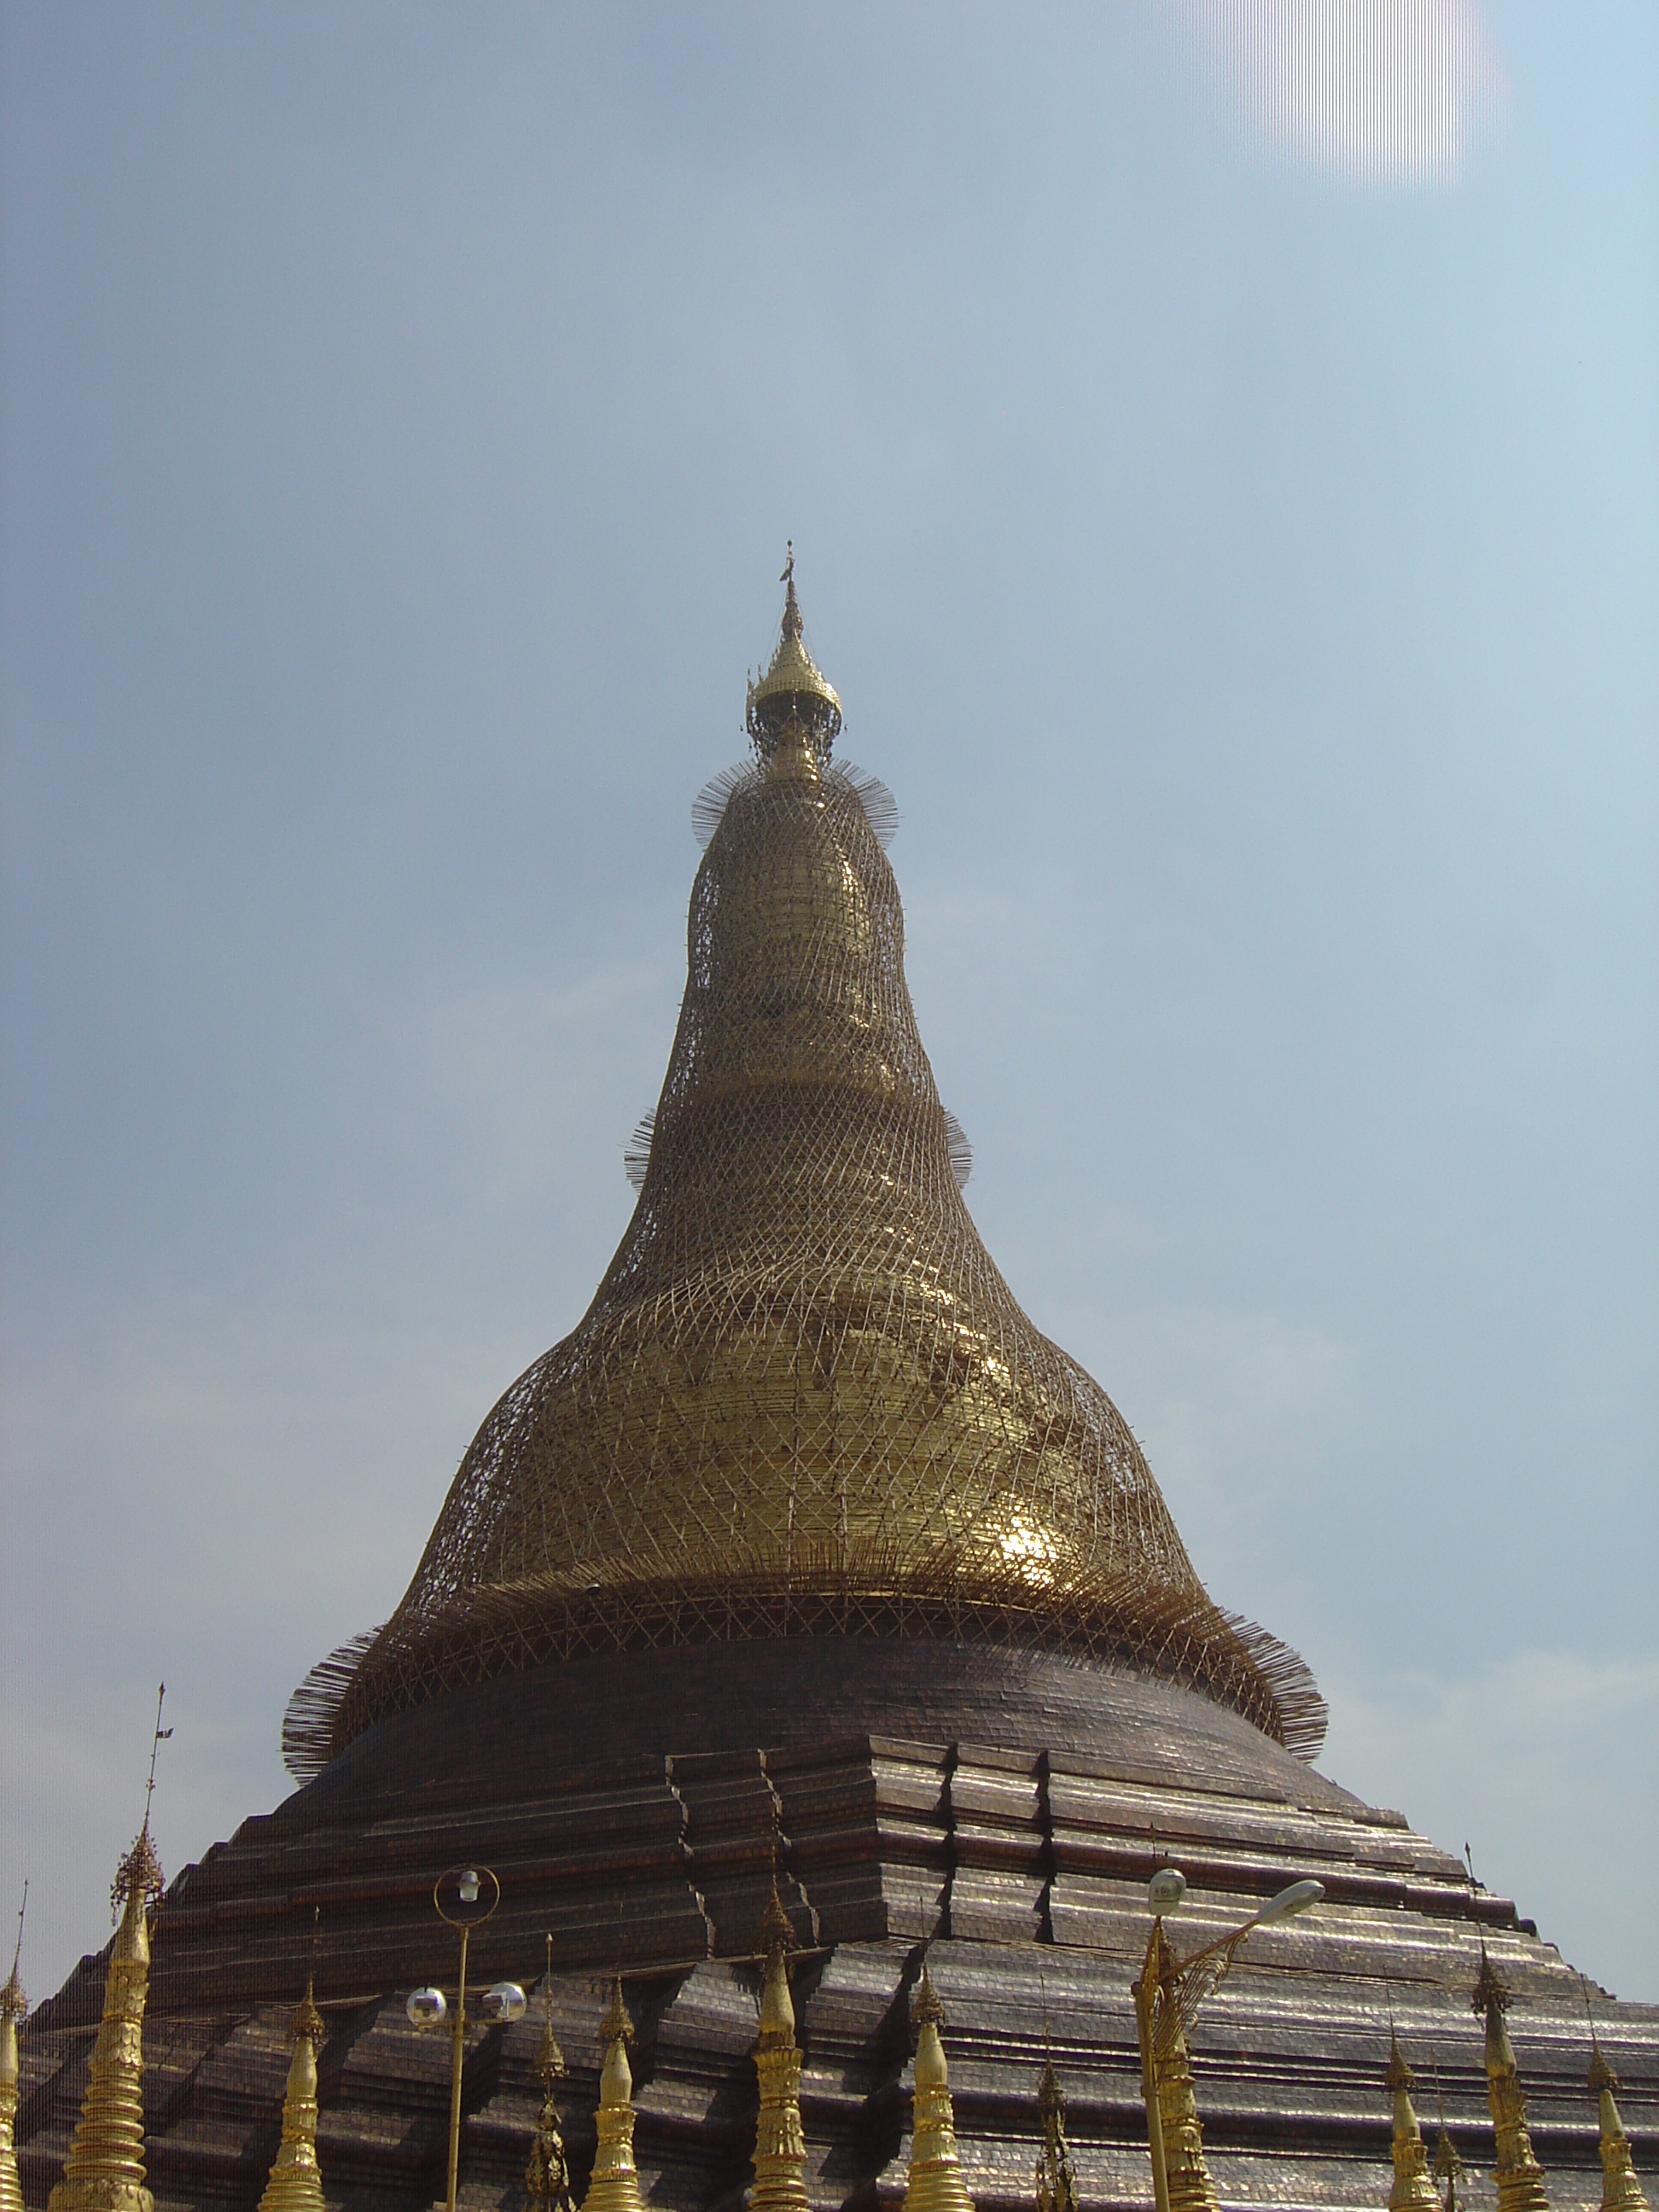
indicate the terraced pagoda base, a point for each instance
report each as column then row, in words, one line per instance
column 1003, row 1808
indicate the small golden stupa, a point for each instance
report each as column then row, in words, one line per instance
column 1191, row 2188
column 1056, row 2183
column 615, row 2186
column 779, row 2142
column 1621, row 2189
column 295, row 2183
column 547, row 2175
column 1519, row 2176
column 13, row 2006
column 105, row 2169
column 934, row 2183
column 1412, row 2190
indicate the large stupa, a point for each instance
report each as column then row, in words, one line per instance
column 805, row 1560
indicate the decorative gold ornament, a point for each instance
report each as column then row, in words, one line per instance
column 13, row 2006
column 803, row 1401
column 1412, row 2190
column 615, row 2186
column 547, row 2176
column 1056, row 2183
column 780, row 2140
column 105, row 2169
column 1621, row 2189
column 1519, row 2176
column 934, row 2182
column 297, row 2183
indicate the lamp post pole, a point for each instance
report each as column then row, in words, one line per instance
column 459, row 1898
column 1168, row 1994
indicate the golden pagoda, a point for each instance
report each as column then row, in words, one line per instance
column 615, row 2186
column 803, row 1535
column 1056, row 2183
column 295, row 2183
column 780, row 2144
column 933, row 2182
column 1621, row 2189
column 1519, row 2176
column 105, row 2169
column 1412, row 2190
column 13, row 2005
column 803, row 1399
column 547, row 2175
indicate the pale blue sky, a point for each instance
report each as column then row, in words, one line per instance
column 1241, row 570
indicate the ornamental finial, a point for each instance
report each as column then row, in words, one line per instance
column 1519, row 2176
column 297, row 2183
column 793, row 707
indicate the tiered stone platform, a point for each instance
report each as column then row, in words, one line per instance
column 1004, row 1807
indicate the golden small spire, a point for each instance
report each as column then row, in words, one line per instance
column 1191, row 2188
column 1519, row 2176
column 1621, row 2189
column 547, row 2176
column 780, row 2140
column 1056, row 2183
column 615, row 2186
column 793, row 713
column 105, row 2169
column 1412, row 2190
column 934, row 2183
column 13, row 2005
column 297, row 2183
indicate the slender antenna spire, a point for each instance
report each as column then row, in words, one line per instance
column 161, row 1737
column 1621, row 2189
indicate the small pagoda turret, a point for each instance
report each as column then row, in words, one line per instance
column 1412, row 2190
column 1621, row 2189
column 105, row 2169
column 934, row 2183
column 1191, row 2188
column 1056, row 2183
column 547, row 2176
column 1519, row 2176
column 780, row 2140
column 297, row 2183
column 615, row 2186
column 13, row 2005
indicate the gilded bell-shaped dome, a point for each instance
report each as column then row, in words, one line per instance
column 803, row 1400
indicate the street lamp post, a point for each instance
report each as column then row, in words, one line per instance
column 1168, row 1993
column 458, row 1895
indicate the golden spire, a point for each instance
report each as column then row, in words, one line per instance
column 934, row 2183
column 1519, row 2176
column 1412, row 2190
column 13, row 2006
column 779, row 2142
column 615, row 2186
column 295, row 2183
column 105, row 2169
column 1621, row 2189
column 1056, row 2183
column 547, row 2176
column 793, row 708
column 1191, row 2188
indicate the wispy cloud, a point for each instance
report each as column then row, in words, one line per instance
column 1382, row 91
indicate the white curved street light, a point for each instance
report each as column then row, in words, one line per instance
column 1167, row 2003
column 468, row 1906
